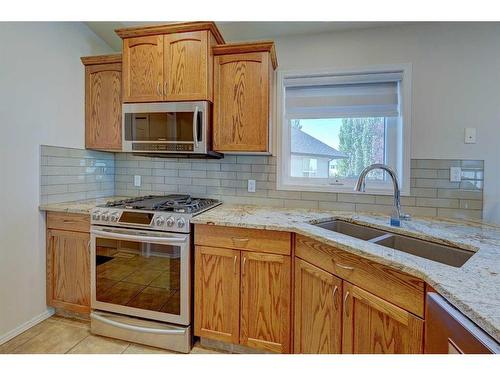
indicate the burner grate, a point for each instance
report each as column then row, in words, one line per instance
column 181, row 203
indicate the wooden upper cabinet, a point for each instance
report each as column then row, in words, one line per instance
column 103, row 80
column 171, row 62
column 143, row 69
column 217, row 293
column 372, row 325
column 188, row 66
column 265, row 301
column 68, row 270
column 318, row 310
column 243, row 80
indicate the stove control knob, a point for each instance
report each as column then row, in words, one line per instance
column 181, row 222
column 159, row 221
column 170, row 222
column 96, row 215
column 105, row 216
column 114, row 216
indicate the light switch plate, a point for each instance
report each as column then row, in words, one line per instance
column 470, row 135
column 251, row 186
column 137, row 180
column 455, row 174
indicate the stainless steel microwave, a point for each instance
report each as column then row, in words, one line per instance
column 178, row 128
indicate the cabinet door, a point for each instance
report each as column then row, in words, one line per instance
column 143, row 69
column 217, row 293
column 186, row 66
column 68, row 270
column 241, row 102
column 103, row 103
column 372, row 325
column 265, row 301
column 318, row 310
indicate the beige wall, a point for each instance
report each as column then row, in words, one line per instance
column 455, row 84
column 41, row 102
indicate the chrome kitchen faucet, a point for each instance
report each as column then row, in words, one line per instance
column 397, row 213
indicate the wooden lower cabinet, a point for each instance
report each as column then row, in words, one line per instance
column 372, row 325
column 243, row 297
column 318, row 310
column 265, row 301
column 217, row 293
column 68, row 270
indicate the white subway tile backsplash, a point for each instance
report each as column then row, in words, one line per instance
column 73, row 174
column 69, row 174
column 165, row 172
column 236, row 167
column 226, row 179
column 192, row 173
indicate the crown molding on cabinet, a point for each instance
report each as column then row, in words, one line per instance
column 244, row 47
column 178, row 27
column 102, row 59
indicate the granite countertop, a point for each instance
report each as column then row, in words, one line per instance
column 78, row 207
column 473, row 288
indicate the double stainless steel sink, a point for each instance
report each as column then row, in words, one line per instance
column 444, row 254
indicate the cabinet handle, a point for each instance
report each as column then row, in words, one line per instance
column 345, row 304
column 165, row 92
column 88, row 246
column 234, row 263
column 344, row 267
column 158, row 89
column 243, row 268
column 335, row 291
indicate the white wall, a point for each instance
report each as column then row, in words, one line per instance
column 456, row 84
column 41, row 102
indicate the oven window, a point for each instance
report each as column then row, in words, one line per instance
column 157, row 127
column 141, row 275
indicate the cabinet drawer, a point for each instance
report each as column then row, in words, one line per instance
column 264, row 241
column 67, row 221
column 401, row 289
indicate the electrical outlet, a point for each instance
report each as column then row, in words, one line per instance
column 455, row 174
column 251, row 186
column 137, row 180
column 470, row 135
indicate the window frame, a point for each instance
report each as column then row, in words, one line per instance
column 404, row 158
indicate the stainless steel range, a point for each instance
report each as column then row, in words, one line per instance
column 141, row 252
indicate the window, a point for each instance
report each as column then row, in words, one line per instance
column 333, row 125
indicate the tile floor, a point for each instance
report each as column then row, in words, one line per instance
column 58, row 335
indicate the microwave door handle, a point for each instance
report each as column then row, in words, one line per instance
column 195, row 126
column 130, row 237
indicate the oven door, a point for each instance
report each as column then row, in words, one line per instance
column 175, row 127
column 141, row 273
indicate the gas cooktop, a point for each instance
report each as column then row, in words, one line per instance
column 170, row 213
column 179, row 203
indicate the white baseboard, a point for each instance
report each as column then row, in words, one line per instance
column 27, row 325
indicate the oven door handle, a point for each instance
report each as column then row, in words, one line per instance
column 131, row 327
column 121, row 236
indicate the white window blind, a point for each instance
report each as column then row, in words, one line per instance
column 341, row 96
